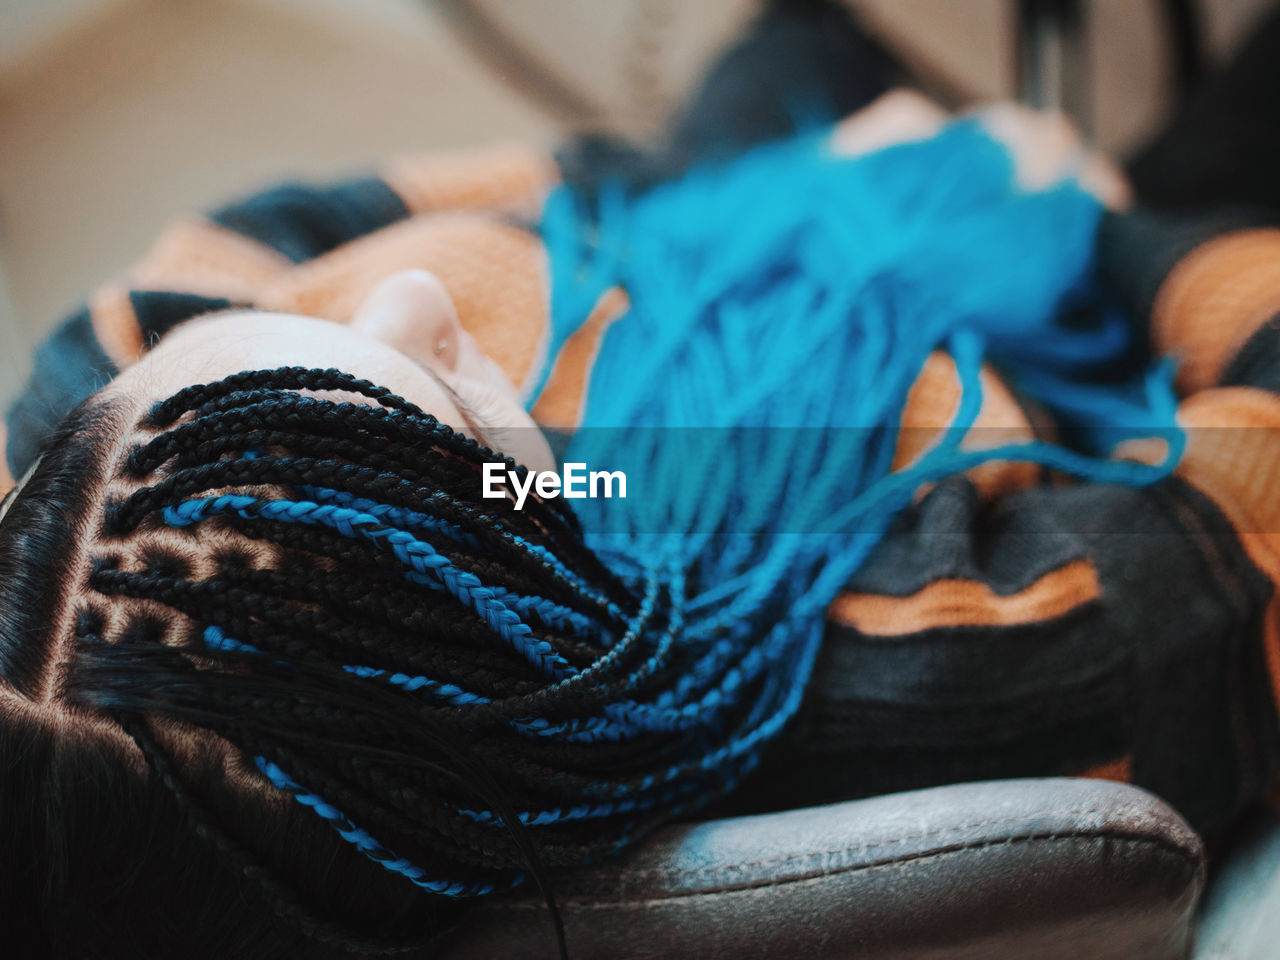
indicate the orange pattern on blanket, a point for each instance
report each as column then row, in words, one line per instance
column 496, row 273
column 507, row 177
column 198, row 256
column 955, row 602
column 6, row 478
column 564, row 398
column 1214, row 300
column 1233, row 458
column 115, row 324
column 931, row 406
column 1120, row 769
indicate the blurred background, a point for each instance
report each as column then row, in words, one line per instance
column 116, row 115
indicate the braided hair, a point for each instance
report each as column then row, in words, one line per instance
column 463, row 692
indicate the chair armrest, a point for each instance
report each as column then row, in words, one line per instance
column 1043, row 869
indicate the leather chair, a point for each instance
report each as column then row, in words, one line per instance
column 1044, row 869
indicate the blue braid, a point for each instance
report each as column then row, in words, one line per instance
column 448, row 692
column 393, row 515
column 215, row 638
column 366, row 844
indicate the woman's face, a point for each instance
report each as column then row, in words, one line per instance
column 405, row 337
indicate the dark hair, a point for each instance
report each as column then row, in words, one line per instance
column 100, row 858
column 303, row 661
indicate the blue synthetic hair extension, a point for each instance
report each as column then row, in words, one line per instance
column 366, row 844
column 781, row 307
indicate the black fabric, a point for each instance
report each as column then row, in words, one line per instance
column 1225, row 147
column 802, row 61
column 593, row 162
column 1257, row 364
column 1173, row 677
column 1137, row 251
column 936, row 539
column 1204, row 723
column 68, row 368
column 159, row 311
column 302, row 222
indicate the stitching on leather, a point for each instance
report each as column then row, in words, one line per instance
column 969, row 845
column 1196, row 874
column 831, row 851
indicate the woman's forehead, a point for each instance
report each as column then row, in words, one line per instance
column 215, row 346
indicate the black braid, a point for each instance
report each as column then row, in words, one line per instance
column 394, row 807
column 416, row 713
column 167, row 411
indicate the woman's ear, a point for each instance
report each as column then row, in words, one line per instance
column 412, row 311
